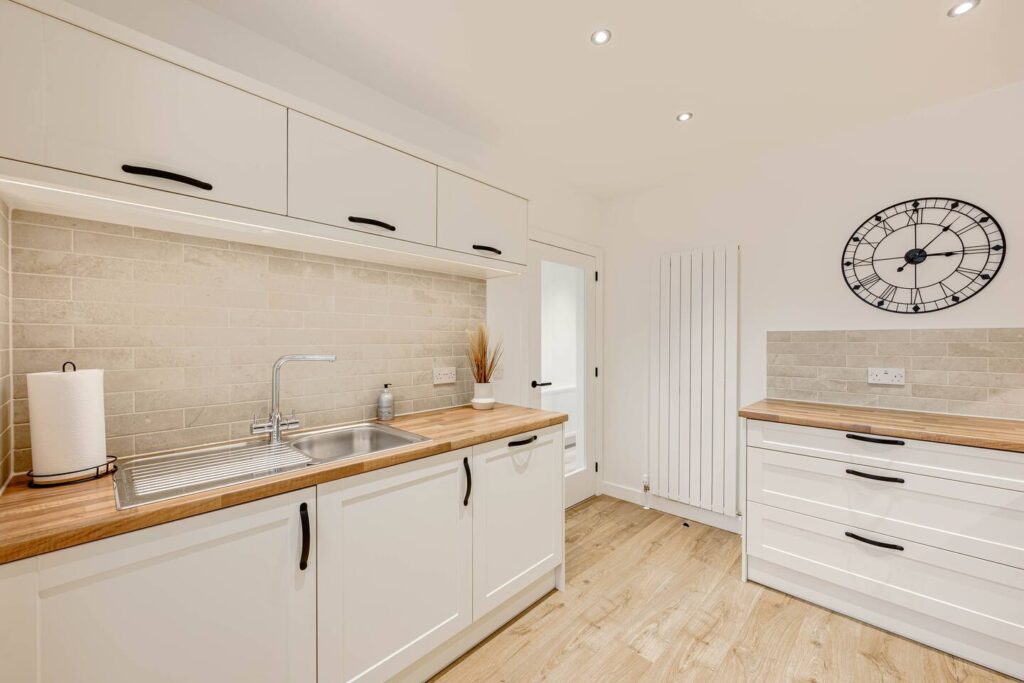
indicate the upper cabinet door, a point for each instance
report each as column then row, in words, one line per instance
column 340, row 178
column 479, row 219
column 22, row 64
column 103, row 106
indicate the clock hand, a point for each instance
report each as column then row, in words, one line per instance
column 941, row 232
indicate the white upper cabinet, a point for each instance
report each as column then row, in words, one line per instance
column 517, row 514
column 340, row 178
column 475, row 218
column 111, row 111
column 215, row 597
column 22, row 64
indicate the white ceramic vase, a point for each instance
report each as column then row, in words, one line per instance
column 483, row 396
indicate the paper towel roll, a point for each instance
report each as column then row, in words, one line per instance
column 67, row 423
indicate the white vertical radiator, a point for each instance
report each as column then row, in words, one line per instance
column 692, row 446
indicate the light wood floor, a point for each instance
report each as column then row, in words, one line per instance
column 649, row 599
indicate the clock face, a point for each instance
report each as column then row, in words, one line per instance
column 923, row 255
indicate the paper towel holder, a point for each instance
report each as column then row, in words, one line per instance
column 87, row 473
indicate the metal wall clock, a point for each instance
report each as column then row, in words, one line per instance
column 923, row 255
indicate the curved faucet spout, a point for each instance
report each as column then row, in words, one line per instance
column 275, row 425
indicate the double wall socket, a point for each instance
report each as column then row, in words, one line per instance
column 444, row 375
column 897, row 376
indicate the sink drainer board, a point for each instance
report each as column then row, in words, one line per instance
column 151, row 479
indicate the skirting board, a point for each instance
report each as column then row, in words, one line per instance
column 991, row 652
column 466, row 640
column 672, row 507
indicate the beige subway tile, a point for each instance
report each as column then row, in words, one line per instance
column 88, row 289
column 1009, row 365
column 220, row 414
column 41, row 336
column 911, row 349
column 159, row 357
column 183, row 316
column 1006, row 334
column 792, row 371
column 877, row 361
column 958, row 393
column 929, row 405
column 878, row 335
column 789, row 347
column 148, row 234
column 181, row 438
column 268, row 251
column 880, row 389
column 1001, row 395
column 303, row 269
column 927, row 377
column 947, row 363
column 792, row 394
column 147, row 378
column 848, row 399
column 964, row 335
column 987, row 349
column 63, row 263
column 28, row 236
column 87, row 336
column 69, row 312
column 22, row 460
column 265, row 318
column 126, row 247
column 28, row 286
column 849, row 348
column 167, row 399
column 986, row 409
column 71, row 223
column 223, row 259
column 45, row 360
column 226, row 298
column 142, row 423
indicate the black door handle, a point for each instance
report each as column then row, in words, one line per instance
column 536, row 384
column 166, row 175
column 522, row 442
column 372, row 221
column 879, row 544
column 469, row 481
column 304, row 516
column 894, row 480
column 875, row 439
column 484, row 247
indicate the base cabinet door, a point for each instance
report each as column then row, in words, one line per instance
column 517, row 514
column 212, row 598
column 395, row 553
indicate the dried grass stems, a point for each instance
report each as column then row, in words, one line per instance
column 483, row 358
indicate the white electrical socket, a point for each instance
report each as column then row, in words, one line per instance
column 895, row 376
column 444, row 375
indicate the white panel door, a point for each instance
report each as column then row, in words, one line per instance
column 340, row 178
column 517, row 514
column 693, row 439
column 475, row 218
column 395, row 553
column 107, row 106
column 212, row 598
column 22, row 75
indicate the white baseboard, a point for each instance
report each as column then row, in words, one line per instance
column 725, row 522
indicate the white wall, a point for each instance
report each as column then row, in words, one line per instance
column 791, row 216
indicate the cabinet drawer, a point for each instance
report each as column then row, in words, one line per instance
column 98, row 105
column 985, row 466
column 479, row 219
column 982, row 596
column 340, row 178
column 976, row 520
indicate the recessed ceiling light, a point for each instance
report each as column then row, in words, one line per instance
column 685, row 116
column 601, row 36
column 962, row 8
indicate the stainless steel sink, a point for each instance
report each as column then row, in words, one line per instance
column 152, row 479
column 337, row 443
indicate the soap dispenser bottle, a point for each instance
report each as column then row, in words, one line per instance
column 386, row 404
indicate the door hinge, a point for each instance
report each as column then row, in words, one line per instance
column 647, row 486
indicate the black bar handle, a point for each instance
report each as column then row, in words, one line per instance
column 469, row 481
column 522, row 442
column 484, row 247
column 166, row 175
column 371, row 221
column 894, row 480
column 879, row 544
column 304, row 516
column 875, row 439
column 536, row 384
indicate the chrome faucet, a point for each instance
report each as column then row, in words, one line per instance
column 276, row 424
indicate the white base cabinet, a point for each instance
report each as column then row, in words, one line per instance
column 395, row 566
column 212, row 598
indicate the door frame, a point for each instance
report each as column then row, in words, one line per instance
column 595, row 406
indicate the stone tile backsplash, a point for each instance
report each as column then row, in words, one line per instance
column 187, row 329
column 960, row 371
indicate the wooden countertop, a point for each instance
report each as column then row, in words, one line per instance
column 962, row 430
column 37, row 521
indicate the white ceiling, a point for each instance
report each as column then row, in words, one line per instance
column 758, row 74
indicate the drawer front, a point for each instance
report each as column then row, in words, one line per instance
column 976, row 594
column 340, row 178
column 976, row 520
column 985, row 466
column 479, row 219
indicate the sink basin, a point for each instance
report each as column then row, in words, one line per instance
column 337, row 443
